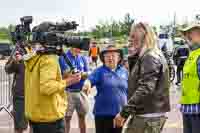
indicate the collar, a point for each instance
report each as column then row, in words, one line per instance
column 69, row 53
column 144, row 51
column 195, row 47
column 32, row 62
column 118, row 67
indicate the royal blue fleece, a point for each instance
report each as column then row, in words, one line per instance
column 80, row 63
column 112, row 89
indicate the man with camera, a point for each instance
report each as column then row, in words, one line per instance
column 76, row 99
column 16, row 66
column 45, row 97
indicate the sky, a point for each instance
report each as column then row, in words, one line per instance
column 90, row 12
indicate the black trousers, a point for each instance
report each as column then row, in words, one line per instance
column 20, row 122
column 104, row 124
column 94, row 59
column 191, row 123
column 48, row 127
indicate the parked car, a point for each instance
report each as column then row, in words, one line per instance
column 5, row 50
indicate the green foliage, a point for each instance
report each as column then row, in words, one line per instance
column 5, row 32
column 112, row 28
column 126, row 24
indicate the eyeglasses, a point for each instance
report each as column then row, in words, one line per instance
column 111, row 55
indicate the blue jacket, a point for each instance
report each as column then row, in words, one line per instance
column 80, row 63
column 112, row 87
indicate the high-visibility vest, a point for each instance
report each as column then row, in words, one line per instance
column 191, row 82
column 94, row 51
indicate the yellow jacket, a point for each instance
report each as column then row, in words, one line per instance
column 45, row 98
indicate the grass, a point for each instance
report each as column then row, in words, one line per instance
column 4, row 41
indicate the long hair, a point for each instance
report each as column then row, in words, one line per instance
column 150, row 39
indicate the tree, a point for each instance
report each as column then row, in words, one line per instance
column 11, row 28
column 4, row 33
column 126, row 24
column 113, row 28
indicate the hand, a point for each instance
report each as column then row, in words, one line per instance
column 66, row 74
column 73, row 79
column 86, row 87
column 10, row 61
column 84, row 75
column 119, row 121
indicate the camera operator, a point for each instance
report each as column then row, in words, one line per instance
column 77, row 100
column 16, row 66
column 45, row 97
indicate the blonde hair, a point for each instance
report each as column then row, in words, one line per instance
column 150, row 38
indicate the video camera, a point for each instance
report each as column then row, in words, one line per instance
column 23, row 30
column 20, row 36
column 50, row 35
column 53, row 35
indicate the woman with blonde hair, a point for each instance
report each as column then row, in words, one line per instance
column 148, row 87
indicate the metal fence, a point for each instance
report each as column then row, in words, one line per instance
column 5, row 90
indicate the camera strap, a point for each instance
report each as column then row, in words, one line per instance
column 68, row 62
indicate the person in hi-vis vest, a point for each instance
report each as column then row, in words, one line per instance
column 190, row 85
column 94, row 53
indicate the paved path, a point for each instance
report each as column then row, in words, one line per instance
column 173, row 124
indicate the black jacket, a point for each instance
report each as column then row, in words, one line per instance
column 148, row 88
column 18, row 69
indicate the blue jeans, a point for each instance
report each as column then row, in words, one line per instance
column 191, row 123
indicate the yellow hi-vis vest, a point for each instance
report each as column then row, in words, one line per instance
column 94, row 51
column 190, row 83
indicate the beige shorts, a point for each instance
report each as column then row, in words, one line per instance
column 77, row 101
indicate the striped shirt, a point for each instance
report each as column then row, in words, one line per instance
column 190, row 108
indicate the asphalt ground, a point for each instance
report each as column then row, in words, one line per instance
column 173, row 124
